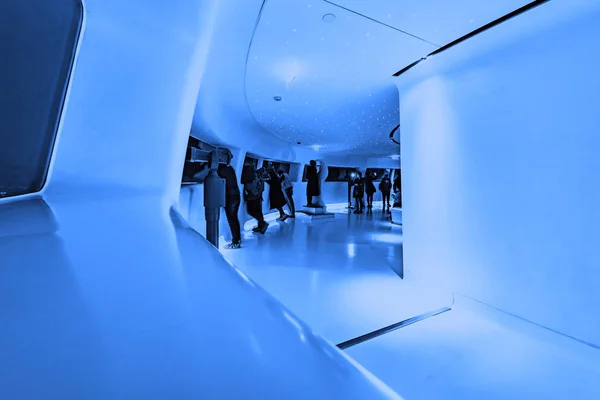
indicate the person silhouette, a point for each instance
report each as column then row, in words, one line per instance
column 385, row 187
column 288, row 191
column 232, row 201
column 313, row 189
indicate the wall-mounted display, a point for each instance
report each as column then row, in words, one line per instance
column 377, row 173
column 340, row 174
column 285, row 166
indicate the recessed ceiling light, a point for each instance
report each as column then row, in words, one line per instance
column 277, row 98
column 329, row 18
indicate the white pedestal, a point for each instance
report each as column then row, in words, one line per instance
column 317, row 213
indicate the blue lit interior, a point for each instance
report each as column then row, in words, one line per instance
column 109, row 289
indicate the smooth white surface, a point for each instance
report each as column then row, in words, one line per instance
column 473, row 352
column 132, row 97
column 109, row 296
column 337, row 275
column 439, row 22
column 500, row 168
column 334, row 79
column 114, row 298
column 227, row 106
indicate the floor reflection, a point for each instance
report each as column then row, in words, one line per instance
column 341, row 275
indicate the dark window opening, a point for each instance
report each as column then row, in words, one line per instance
column 378, row 173
column 340, row 174
column 37, row 49
column 278, row 165
column 249, row 160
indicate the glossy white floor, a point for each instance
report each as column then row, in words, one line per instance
column 475, row 352
column 337, row 275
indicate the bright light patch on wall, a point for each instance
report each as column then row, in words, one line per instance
column 395, row 156
column 432, row 149
column 434, row 139
column 316, row 147
column 288, row 71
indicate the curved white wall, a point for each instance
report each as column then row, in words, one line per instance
column 500, row 164
column 113, row 138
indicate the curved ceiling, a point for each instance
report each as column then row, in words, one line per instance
column 439, row 22
column 331, row 71
column 319, row 72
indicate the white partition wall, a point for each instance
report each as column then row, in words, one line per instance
column 500, row 164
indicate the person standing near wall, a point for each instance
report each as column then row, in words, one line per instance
column 253, row 192
column 370, row 190
column 276, row 196
column 385, row 187
column 288, row 190
column 313, row 189
column 232, row 201
column 359, row 193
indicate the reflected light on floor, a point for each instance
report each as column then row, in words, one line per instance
column 351, row 250
column 394, row 238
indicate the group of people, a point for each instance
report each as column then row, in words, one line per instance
column 280, row 194
column 361, row 186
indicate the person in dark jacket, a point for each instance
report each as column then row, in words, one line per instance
column 385, row 187
column 359, row 193
column 253, row 192
column 313, row 188
column 232, row 201
column 370, row 190
column 276, row 196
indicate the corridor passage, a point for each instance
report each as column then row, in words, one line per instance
column 338, row 274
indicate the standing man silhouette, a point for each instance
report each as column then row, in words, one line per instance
column 385, row 187
column 232, row 201
column 313, row 189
